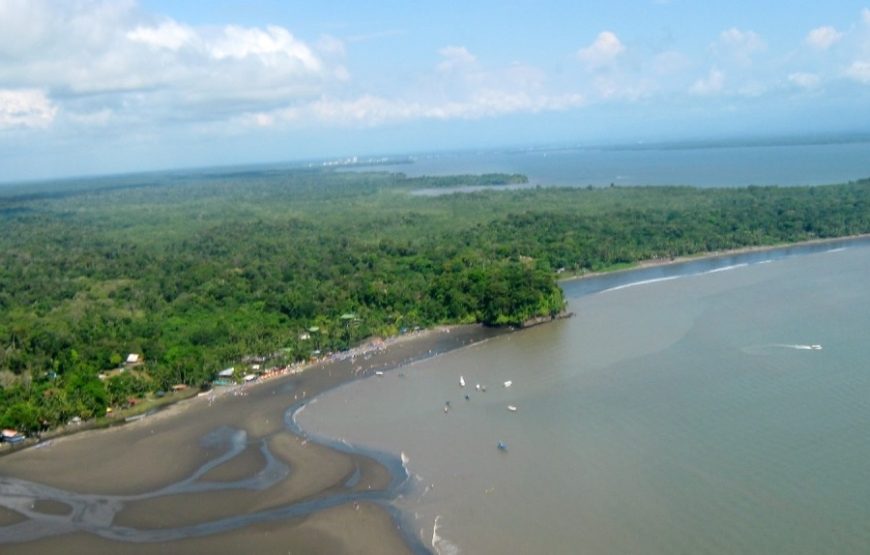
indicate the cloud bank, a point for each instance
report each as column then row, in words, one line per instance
column 110, row 68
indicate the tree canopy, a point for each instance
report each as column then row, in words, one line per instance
column 195, row 271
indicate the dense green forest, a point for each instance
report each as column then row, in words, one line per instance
column 198, row 270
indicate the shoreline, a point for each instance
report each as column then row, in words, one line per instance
column 308, row 380
column 167, row 409
column 326, row 475
column 707, row 255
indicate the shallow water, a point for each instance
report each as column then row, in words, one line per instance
column 797, row 164
column 219, row 475
column 719, row 412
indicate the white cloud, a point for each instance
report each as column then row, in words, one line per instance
column 603, row 51
column 823, row 37
column 804, row 80
column 169, row 35
column 29, row 108
column 271, row 46
column 455, row 57
column 713, row 83
column 859, row 71
column 115, row 49
column 739, row 45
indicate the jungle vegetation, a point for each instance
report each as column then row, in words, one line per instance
column 197, row 270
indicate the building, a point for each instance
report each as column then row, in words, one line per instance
column 11, row 436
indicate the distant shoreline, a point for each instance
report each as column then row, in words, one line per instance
column 707, row 255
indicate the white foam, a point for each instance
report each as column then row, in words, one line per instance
column 769, row 348
column 644, row 282
column 838, row 249
column 726, row 268
column 799, row 347
column 439, row 544
column 814, row 347
column 296, row 414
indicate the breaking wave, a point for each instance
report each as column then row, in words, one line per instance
column 439, row 544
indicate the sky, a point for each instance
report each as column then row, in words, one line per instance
column 93, row 86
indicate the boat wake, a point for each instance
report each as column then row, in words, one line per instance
column 767, row 349
column 644, row 282
column 726, row 268
column 439, row 544
column 801, row 347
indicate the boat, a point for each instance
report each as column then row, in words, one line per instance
column 512, row 408
column 461, row 381
column 508, row 383
column 502, row 446
column 379, row 373
column 477, row 386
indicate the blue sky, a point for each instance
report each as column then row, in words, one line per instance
column 99, row 87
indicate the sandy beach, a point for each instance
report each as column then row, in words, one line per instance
column 221, row 473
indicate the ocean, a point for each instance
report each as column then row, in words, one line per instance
column 719, row 406
column 696, row 165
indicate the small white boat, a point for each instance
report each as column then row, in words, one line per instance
column 461, row 381
column 512, row 408
column 816, row 347
column 508, row 383
column 379, row 373
column 477, row 386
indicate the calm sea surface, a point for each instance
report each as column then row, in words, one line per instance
column 702, row 167
column 718, row 407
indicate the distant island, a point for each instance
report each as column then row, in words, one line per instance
column 116, row 289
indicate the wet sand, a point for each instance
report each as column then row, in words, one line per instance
column 224, row 473
column 350, row 529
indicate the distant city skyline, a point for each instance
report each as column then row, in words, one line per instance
column 95, row 87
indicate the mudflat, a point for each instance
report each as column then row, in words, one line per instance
column 227, row 472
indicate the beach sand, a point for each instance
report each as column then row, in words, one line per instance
column 224, row 467
column 350, row 529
